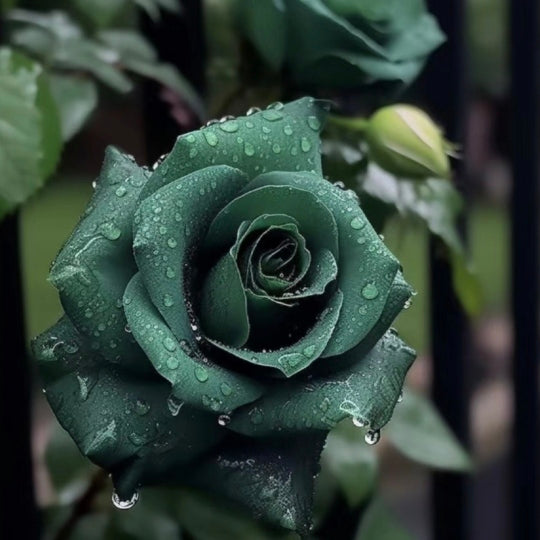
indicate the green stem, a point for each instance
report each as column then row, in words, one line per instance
column 357, row 124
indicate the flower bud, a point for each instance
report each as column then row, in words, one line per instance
column 404, row 141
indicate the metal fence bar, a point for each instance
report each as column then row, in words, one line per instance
column 19, row 512
column 525, row 96
column 446, row 98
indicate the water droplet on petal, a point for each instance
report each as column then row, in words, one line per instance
column 121, row 191
column 201, row 374
column 226, row 390
column 127, row 504
column 169, row 344
column 272, row 115
column 305, row 145
column 172, row 362
column 288, row 130
column 370, row 291
column 400, row 397
column 171, row 242
column 168, row 300
column 357, row 223
column 170, row 273
column 249, row 150
column 358, row 422
column 314, row 123
column 230, row 126
column 109, row 230
column 211, row 137
column 253, row 110
column 309, row 351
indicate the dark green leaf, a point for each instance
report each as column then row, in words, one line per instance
column 379, row 524
column 100, row 12
column 419, row 432
column 351, row 461
column 76, row 98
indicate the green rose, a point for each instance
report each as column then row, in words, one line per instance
column 342, row 43
column 222, row 314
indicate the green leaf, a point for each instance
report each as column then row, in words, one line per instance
column 379, row 524
column 96, row 263
column 351, row 461
column 272, row 477
column 61, row 42
column 101, row 12
column 418, row 431
column 367, row 389
column 152, row 7
column 287, row 136
column 207, row 518
column 76, row 98
column 29, row 142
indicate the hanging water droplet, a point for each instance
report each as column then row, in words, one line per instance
column 358, row 422
column 223, row 419
column 94, row 184
column 370, row 291
column 211, row 122
column 127, row 504
column 253, row 110
column 277, row 105
column 372, row 437
column 339, row 184
column 407, row 304
column 400, row 397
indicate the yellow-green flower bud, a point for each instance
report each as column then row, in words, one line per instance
column 403, row 140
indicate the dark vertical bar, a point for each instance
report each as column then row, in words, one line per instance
column 19, row 511
column 179, row 39
column 19, row 515
column 525, row 60
column 446, row 85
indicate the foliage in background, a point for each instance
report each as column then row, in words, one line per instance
column 50, row 70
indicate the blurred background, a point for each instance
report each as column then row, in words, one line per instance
column 121, row 119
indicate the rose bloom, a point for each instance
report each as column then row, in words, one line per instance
column 222, row 313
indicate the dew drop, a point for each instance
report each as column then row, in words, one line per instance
column 201, row 374
column 210, row 137
column 370, row 291
column 229, row 126
column 172, row 362
column 400, row 397
column 168, row 300
column 193, row 152
column 127, row 504
column 109, row 230
column 253, row 110
column 249, row 150
column 226, row 390
column 169, row 344
column 357, row 223
column 358, row 422
column 305, row 145
column 223, row 419
column 171, row 242
column 314, row 123
column 288, row 130
column 94, row 184
column 272, row 115
column 276, row 148
column 277, row 105
column 121, row 191
column 309, row 351
column 170, row 273
column 372, row 437
column 141, row 407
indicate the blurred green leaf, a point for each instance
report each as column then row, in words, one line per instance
column 5, row 5
column 69, row 470
column 378, row 523
column 206, row 518
column 100, row 12
column 351, row 461
column 466, row 284
column 418, row 431
column 57, row 39
column 152, row 7
column 29, row 135
column 76, row 98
